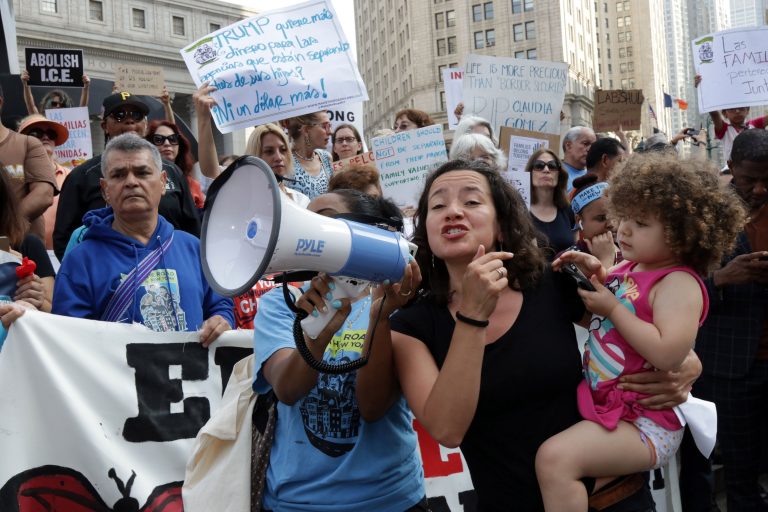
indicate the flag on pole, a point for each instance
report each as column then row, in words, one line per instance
column 652, row 113
column 667, row 101
column 682, row 104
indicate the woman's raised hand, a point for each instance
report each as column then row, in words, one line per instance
column 312, row 301
column 202, row 98
column 397, row 294
column 483, row 282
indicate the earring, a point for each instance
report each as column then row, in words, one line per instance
column 581, row 226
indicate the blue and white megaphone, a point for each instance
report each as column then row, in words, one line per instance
column 251, row 229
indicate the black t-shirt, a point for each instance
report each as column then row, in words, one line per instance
column 559, row 232
column 527, row 389
column 81, row 193
column 34, row 248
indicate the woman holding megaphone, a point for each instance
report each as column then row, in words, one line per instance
column 487, row 358
column 325, row 456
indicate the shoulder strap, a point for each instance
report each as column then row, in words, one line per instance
column 120, row 300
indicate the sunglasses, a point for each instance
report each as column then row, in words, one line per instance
column 539, row 165
column 39, row 133
column 55, row 104
column 121, row 115
column 159, row 140
column 346, row 140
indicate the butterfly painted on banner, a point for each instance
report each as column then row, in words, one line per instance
column 60, row 489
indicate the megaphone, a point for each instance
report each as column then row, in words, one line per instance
column 251, row 229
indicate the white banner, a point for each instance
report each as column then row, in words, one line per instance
column 405, row 159
column 733, row 65
column 79, row 146
column 523, row 94
column 452, row 78
column 279, row 64
column 85, row 405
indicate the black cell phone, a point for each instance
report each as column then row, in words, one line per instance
column 581, row 280
column 690, row 132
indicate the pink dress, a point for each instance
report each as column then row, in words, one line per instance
column 608, row 356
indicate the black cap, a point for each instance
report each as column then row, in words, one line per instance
column 119, row 99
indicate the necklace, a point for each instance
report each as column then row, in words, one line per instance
column 363, row 307
column 310, row 159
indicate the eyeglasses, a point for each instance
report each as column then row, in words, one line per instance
column 39, row 133
column 540, row 165
column 326, row 125
column 159, row 140
column 346, row 140
column 121, row 115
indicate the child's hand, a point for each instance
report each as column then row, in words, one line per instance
column 587, row 263
column 600, row 302
column 696, row 80
column 603, row 248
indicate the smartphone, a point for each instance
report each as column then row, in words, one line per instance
column 581, row 280
column 5, row 244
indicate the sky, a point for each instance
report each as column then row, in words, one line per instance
column 345, row 10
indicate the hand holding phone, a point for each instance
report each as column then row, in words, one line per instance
column 581, row 280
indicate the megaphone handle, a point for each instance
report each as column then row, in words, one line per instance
column 345, row 288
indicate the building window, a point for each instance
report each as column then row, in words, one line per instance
column 624, row 83
column 490, row 37
column 213, row 27
column 139, row 18
column 450, row 18
column 452, row 44
column 623, row 67
column 520, row 54
column 608, row 51
column 441, row 47
column 442, row 101
column 610, row 68
column 477, row 12
column 605, row 6
column 49, row 6
column 528, row 5
column 479, row 40
column 178, row 26
column 629, row 51
column 530, row 30
column 488, row 8
column 95, row 10
column 440, row 70
column 630, row 67
column 531, row 54
column 619, row 6
column 619, row 22
column 517, row 6
column 606, row 23
column 439, row 20
column 627, row 21
column 629, row 36
column 622, row 37
column 517, row 30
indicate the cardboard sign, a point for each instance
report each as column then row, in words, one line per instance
column 283, row 63
column 79, row 146
column 140, row 79
column 452, row 78
column 361, row 159
column 405, row 159
column 54, row 68
column 519, row 145
column 733, row 69
column 618, row 109
column 524, row 94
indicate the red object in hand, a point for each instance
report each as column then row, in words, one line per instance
column 27, row 268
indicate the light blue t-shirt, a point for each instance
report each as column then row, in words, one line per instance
column 325, row 457
column 573, row 173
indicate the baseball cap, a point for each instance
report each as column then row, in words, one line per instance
column 120, row 99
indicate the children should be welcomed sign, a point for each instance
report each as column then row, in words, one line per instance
column 279, row 64
column 405, row 159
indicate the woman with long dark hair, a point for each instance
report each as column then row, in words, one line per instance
column 174, row 147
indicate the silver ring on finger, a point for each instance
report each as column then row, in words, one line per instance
column 502, row 272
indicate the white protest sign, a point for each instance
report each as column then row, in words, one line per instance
column 452, row 78
column 523, row 94
column 78, row 148
column 733, row 65
column 279, row 64
column 405, row 159
column 350, row 113
column 83, row 400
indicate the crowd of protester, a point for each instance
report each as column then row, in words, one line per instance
column 477, row 340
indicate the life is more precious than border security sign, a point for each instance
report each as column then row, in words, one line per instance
column 733, row 65
column 279, row 64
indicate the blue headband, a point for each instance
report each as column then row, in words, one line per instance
column 586, row 196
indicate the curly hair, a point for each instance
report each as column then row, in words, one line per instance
column 560, row 197
column 419, row 117
column 701, row 220
column 357, row 176
column 184, row 160
column 66, row 102
column 517, row 233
